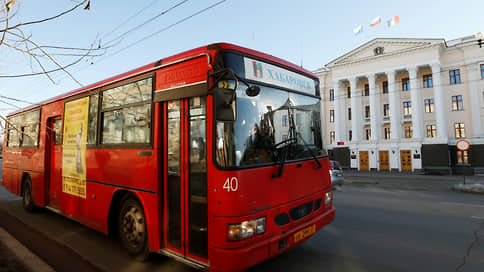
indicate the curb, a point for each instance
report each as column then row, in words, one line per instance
column 360, row 182
column 32, row 261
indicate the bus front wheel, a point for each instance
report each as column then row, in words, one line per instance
column 132, row 228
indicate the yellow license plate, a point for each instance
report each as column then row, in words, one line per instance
column 304, row 233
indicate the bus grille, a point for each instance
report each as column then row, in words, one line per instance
column 301, row 211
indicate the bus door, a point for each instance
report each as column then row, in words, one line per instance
column 185, row 186
column 54, row 181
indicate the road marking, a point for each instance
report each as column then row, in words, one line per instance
column 462, row 204
column 477, row 217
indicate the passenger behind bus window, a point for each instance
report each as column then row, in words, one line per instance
column 259, row 145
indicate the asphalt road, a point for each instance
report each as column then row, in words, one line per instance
column 375, row 229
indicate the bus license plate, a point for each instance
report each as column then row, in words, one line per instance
column 304, row 233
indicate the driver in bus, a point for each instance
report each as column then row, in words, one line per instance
column 259, row 145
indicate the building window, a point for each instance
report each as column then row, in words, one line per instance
column 350, row 135
column 454, row 76
column 386, row 110
column 386, row 133
column 332, row 136
column 348, row 92
column 462, row 157
column 429, row 105
column 405, row 84
column 367, row 111
column 349, row 113
column 284, row 120
column 459, row 130
column 427, row 81
column 408, row 132
column 366, row 90
column 367, row 134
column 331, row 94
column 482, row 71
column 431, row 131
column 331, row 116
column 407, row 108
column 457, row 103
column 384, row 87
column 378, row 51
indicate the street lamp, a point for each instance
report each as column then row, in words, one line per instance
column 480, row 39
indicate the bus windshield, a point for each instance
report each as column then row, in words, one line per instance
column 263, row 123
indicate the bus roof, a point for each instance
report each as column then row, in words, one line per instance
column 215, row 47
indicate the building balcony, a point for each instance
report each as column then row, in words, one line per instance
column 386, row 119
column 406, row 118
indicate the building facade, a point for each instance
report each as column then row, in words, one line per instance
column 403, row 104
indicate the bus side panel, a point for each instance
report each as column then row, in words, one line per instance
column 32, row 160
column 38, row 188
column 109, row 170
column 151, row 206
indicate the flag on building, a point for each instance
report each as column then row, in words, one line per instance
column 395, row 20
column 376, row 21
column 358, row 30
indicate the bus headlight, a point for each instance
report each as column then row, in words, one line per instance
column 328, row 197
column 330, row 172
column 246, row 229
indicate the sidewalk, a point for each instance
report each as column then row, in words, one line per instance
column 412, row 181
column 16, row 257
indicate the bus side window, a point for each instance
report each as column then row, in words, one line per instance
column 56, row 132
column 92, row 119
column 126, row 113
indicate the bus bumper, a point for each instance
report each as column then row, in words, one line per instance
column 240, row 259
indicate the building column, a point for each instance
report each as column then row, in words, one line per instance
column 475, row 99
column 322, row 108
column 339, row 119
column 355, row 111
column 374, row 109
column 394, row 97
column 441, row 119
column 417, row 114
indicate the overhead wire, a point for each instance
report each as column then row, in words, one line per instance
column 147, row 21
column 129, row 19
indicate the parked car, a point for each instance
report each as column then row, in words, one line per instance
column 336, row 173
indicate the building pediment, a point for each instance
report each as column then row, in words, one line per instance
column 381, row 47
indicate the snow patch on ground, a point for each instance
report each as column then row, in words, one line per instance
column 470, row 188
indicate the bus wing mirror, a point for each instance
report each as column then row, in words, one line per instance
column 225, row 105
column 252, row 91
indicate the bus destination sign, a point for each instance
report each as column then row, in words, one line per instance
column 271, row 74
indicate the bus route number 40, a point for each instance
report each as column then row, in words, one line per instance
column 231, row 184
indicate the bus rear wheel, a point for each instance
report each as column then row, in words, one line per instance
column 132, row 228
column 27, row 196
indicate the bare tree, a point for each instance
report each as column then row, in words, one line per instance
column 44, row 59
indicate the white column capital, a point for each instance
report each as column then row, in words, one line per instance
column 435, row 67
column 371, row 77
column 412, row 71
column 390, row 73
column 352, row 81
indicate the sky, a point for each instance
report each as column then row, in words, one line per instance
column 310, row 33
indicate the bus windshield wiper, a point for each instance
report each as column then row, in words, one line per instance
column 288, row 143
column 318, row 164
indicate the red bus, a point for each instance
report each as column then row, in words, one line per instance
column 213, row 156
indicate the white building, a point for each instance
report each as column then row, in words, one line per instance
column 402, row 104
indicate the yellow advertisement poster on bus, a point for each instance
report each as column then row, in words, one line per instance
column 74, row 147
